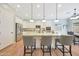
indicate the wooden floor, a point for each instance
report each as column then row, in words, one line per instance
column 17, row 50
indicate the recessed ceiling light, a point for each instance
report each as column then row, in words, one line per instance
column 18, row 6
column 43, row 20
column 59, row 5
column 31, row 21
column 38, row 6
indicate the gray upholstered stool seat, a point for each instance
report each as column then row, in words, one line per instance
column 65, row 40
column 46, row 41
column 29, row 43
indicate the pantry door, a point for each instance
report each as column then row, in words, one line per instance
column 7, row 28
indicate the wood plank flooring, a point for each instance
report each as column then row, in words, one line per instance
column 17, row 50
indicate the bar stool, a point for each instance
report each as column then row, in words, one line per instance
column 29, row 42
column 46, row 41
column 76, row 40
column 65, row 40
column 72, row 33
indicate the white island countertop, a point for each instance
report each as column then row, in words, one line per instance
column 41, row 34
column 76, row 34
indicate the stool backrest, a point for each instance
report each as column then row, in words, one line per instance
column 46, row 40
column 70, row 33
column 28, row 40
column 66, row 40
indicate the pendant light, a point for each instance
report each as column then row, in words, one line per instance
column 31, row 20
column 43, row 13
column 56, row 13
column 74, row 14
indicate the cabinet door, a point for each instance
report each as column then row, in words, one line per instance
column 1, row 29
column 7, row 28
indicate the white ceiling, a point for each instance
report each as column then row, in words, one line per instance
column 37, row 10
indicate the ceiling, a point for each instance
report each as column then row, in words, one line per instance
column 38, row 11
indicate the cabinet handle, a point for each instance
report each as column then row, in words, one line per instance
column 11, row 32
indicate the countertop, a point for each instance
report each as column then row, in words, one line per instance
column 41, row 34
column 76, row 34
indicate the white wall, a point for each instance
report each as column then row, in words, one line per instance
column 7, row 26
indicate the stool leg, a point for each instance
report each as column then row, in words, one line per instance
column 63, row 49
column 55, row 44
column 74, row 41
column 31, row 51
column 70, row 50
column 27, row 47
column 41, row 46
column 24, row 50
column 50, row 50
column 43, row 50
column 34, row 46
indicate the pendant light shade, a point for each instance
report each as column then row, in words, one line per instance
column 74, row 14
column 43, row 13
column 31, row 20
column 56, row 13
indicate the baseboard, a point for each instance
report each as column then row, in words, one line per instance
column 6, row 47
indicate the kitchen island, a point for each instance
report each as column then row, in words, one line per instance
column 38, row 36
